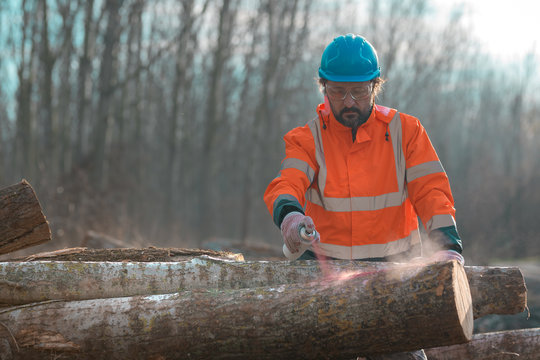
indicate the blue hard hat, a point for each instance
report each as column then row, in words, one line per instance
column 349, row 58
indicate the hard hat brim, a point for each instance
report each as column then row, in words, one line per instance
column 349, row 78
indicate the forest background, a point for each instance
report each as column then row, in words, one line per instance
column 161, row 122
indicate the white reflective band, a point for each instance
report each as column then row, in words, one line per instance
column 439, row 221
column 371, row 250
column 292, row 163
column 319, row 152
column 427, row 168
column 396, row 135
column 364, row 203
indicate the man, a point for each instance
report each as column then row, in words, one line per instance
column 359, row 175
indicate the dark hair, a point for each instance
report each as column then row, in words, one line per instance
column 377, row 85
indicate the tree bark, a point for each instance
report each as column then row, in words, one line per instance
column 22, row 223
column 371, row 312
column 521, row 344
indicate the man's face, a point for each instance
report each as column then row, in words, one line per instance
column 351, row 102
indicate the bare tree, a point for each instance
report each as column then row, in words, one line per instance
column 83, row 79
column 26, row 75
column 107, row 79
column 215, row 106
column 48, row 60
column 186, row 48
column 68, row 11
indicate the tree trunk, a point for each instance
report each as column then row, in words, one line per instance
column 494, row 290
column 107, row 79
column 22, row 223
column 84, row 71
column 521, row 344
column 47, row 64
column 214, row 112
column 26, row 76
column 373, row 312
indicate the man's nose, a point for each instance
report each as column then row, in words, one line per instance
column 348, row 102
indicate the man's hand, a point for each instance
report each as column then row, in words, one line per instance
column 290, row 230
column 445, row 255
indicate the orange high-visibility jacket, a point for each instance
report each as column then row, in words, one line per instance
column 364, row 196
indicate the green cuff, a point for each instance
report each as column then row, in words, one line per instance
column 447, row 238
column 283, row 205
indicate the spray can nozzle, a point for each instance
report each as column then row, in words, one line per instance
column 308, row 237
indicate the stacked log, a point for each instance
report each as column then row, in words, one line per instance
column 494, row 290
column 523, row 344
column 406, row 308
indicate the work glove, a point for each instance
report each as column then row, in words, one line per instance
column 291, row 226
column 445, row 255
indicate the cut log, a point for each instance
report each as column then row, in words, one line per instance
column 22, row 223
column 494, row 290
column 375, row 312
column 521, row 344
column 144, row 255
column 497, row 290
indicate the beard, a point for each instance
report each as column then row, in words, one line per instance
column 352, row 117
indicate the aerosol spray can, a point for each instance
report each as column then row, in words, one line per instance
column 308, row 238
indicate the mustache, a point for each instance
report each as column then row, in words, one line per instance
column 353, row 109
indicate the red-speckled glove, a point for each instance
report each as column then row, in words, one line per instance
column 445, row 255
column 290, row 230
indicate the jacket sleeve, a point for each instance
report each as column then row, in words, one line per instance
column 428, row 186
column 287, row 191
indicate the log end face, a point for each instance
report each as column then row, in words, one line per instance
column 521, row 293
column 463, row 300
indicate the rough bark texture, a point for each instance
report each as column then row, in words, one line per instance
column 494, row 290
column 143, row 255
column 521, row 344
column 22, row 223
column 382, row 311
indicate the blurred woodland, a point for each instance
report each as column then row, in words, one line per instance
column 161, row 122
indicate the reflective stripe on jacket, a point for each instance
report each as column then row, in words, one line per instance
column 364, row 196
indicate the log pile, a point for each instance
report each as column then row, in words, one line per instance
column 494, row 290
column 383, row 311
column 209, row 300
column 179, row 303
